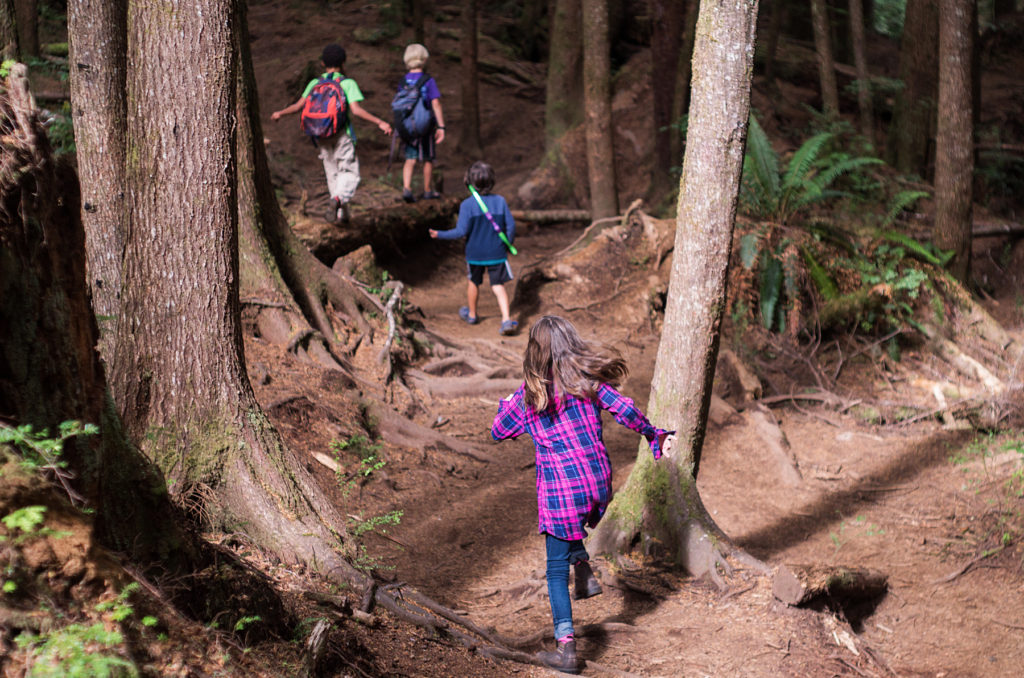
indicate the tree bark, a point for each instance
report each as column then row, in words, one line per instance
column 666, row 37
column 604, row 201
column 682, row 97
column 659, row 507
column 563, row 102
column 954, row 142
column 914, row 111
column 826, row 62
column 858, row 41
column 8, row 31
column 98, row 40
column 26, row 14
column 469, row 135
column 802, row 584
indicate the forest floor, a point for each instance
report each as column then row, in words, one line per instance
column 937, row 508
column 927, row 505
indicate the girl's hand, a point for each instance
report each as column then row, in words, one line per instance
column 667, row 444
column 433, row 233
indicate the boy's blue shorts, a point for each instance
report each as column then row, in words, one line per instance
column 423, row 150
column 499, row 274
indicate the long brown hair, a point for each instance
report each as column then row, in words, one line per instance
column 558, row 360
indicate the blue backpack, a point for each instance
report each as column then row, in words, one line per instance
column 413, row 117
column 326, row 109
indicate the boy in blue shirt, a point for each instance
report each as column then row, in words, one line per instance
column 338, row 153
column 484, row 249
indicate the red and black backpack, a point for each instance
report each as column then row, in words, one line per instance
column 326, row 110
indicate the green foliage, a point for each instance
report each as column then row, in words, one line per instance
column 368, row 454
column 60, row 130
column 887, row 17
column 79, row 650
column 898, row 281
column 775, row 194
column 39, row 451
column 359, row 526
column 5, row 67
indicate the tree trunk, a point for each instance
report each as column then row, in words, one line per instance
column 97, row 37
column 857, row 39
column 775, row 23
column 914, row 110
column 26, row 14
column 682, row 98
column 659, row 506
column 954, row 142
column 531, row 24
column 666, row 37
column 563, row 103
column 604, row 201
column 418, row 12
column 8, row 31
column 826, row 62
column 469, row 135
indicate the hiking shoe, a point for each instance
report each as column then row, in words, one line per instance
column 408, row 196
column 331, row 214
column 509, row 327
column 431, row 195
column 586, row 584
column 562, row 659
column 464, row 314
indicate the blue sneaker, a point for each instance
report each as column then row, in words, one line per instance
column 464, row 314
column 509, row 327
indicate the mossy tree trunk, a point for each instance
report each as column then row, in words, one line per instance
column 913, row 121
column 563, row 101
column 597, row 102
column 826, row 61
column 98, row 42
column 954, row 142
column 178, row 374
column 659, row 507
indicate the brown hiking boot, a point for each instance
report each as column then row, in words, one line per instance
column 586, row 584
column 562, row 659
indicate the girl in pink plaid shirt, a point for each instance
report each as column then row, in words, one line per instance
column 567, row 384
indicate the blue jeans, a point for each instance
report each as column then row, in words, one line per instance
column 562, row 554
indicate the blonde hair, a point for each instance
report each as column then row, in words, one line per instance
column 558, row 360
column 416, row 55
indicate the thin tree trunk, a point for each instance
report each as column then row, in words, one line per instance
column 98, row 40
column 681, row 101
column 857, row 38
column 8, row 31
column 659, row 506
column 26, row 14
column 531, row 26
column 826, row 62
column 666, row 37
column 563, row 102
column 954, row 143
column 597, row 99
column 418, row 12
column 775, row 23
column 914, row 111
column 469, row 135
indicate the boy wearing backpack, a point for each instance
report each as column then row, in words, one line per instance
column 325, row 104
column 419, row 120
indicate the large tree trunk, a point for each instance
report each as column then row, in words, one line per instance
column 563, row 102
column 826, row 62
column 857, row 39
column 666, row 38
column 98, row 42
column 604, row 201
column 469, row 135
column 954, row 142
column 659, row 506
column 8, row 31
column 914, row 111
column 26, row 14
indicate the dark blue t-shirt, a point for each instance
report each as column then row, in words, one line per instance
column 483, row 246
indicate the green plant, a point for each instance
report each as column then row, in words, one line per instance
column 359, row 526
column 368, row 453
column 60, row 130
column 83, row 651
column 40, row 452
column 5, row 67
column 767, row 192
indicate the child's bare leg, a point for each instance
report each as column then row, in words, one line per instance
column 428, row 174
column 407, row 169
column 472, row 295
column 502, row 296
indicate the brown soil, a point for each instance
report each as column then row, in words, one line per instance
column 887, row 498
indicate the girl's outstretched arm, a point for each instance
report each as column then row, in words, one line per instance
column 627, row 414
column 510, row 421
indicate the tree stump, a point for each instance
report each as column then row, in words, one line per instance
column 801, row 584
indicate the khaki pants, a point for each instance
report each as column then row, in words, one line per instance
column 341, row 165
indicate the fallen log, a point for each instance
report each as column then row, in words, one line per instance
column 550, row 216
column 801, row 584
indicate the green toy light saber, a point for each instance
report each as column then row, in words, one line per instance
column 487, row 213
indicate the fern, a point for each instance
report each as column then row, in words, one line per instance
column 902, row 201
